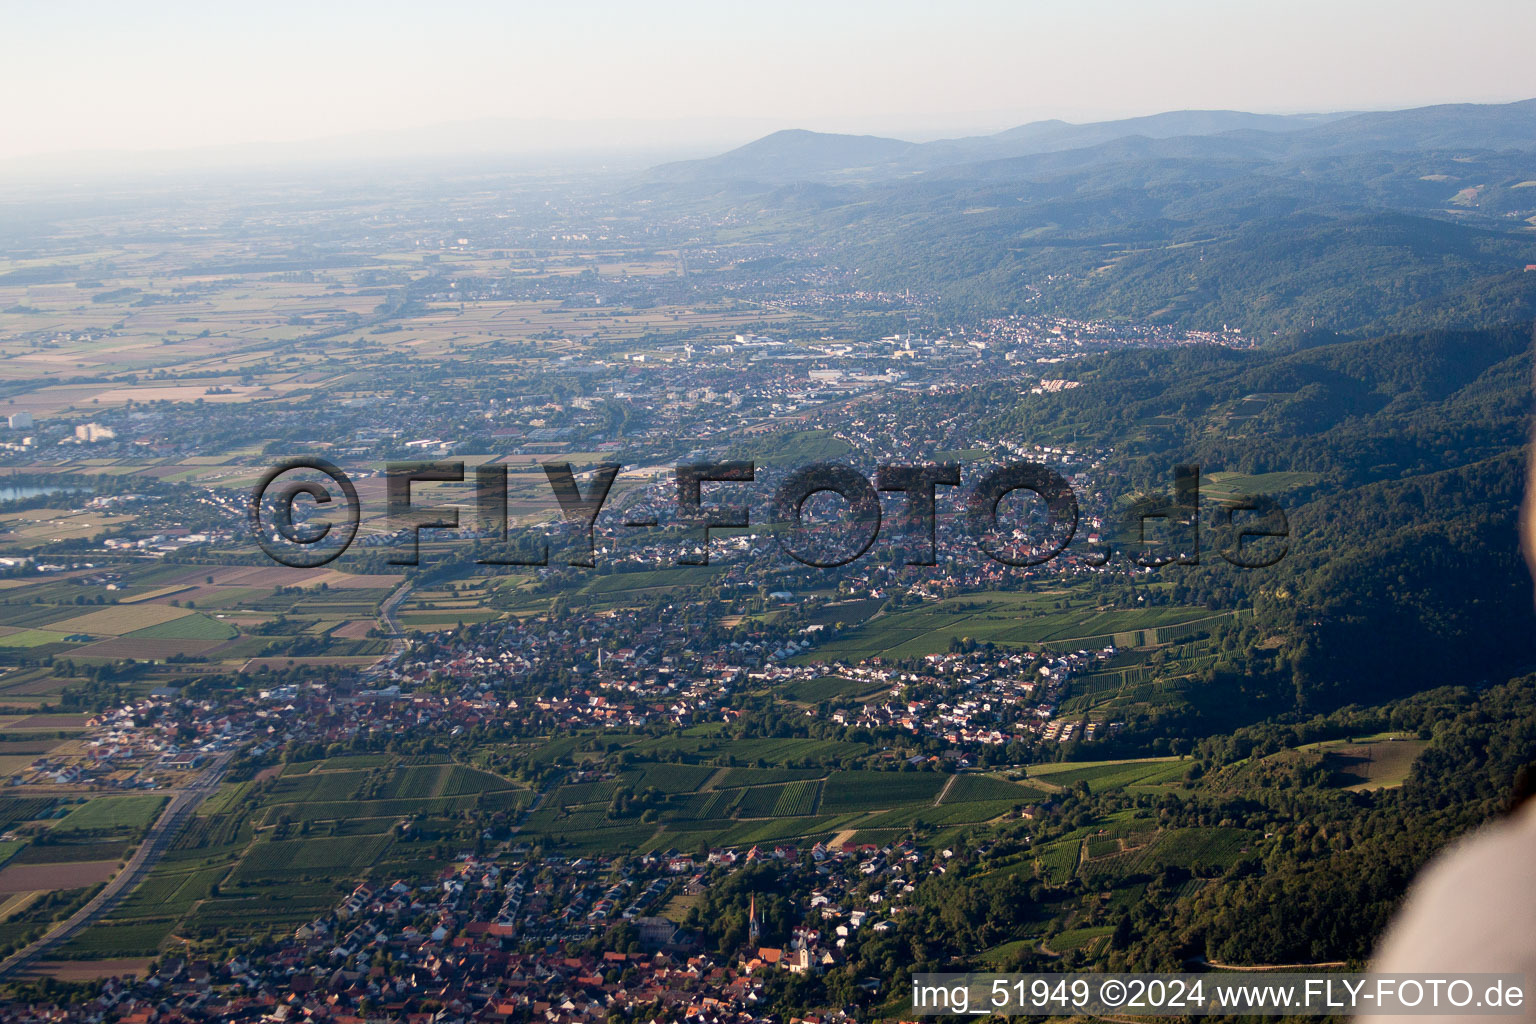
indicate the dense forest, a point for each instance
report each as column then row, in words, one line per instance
column 1402, row 570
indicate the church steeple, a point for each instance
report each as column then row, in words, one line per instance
column 752, row 926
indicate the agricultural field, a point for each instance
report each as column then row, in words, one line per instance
column 971, row 786
column 59, row 847
column 178, row 621
column 813, row 691
column 112, row 814
column 1102, row 776
column 1009, row 619
column 266, row 855
column 1227, row 486
column 738, row 805
column 1360, row 763
column 26, row 738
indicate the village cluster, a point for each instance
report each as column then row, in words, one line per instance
column 504, row 939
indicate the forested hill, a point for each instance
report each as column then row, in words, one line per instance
column 1352, row 246
column 1402, row 468
column 1397, row 220
column 1401, row 617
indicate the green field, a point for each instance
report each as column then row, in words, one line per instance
column 989, row 787
column 764, row 776
column 1107, row 775
column 866, row 790
column 189, row 627
column 1371, row 764
column 811, row 691
column 31, row 638
column 112, row 813
column 1009, row 620
column 1198, row 849
column 1230, row 485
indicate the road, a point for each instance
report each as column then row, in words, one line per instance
column 387, row 609
column 156, row 841
column 387, row 616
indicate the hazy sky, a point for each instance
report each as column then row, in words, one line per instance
column 91, row 75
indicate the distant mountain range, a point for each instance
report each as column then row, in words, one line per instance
column 796, row 156
column 793, row 156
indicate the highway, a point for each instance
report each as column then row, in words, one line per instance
column 156, row 841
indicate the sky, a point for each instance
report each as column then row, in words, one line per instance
column 80, row 75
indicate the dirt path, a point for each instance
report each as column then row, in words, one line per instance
column 715, row 778
column 1272, row 967
column 945, row 791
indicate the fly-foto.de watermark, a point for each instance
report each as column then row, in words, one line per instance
column 1254, row 529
